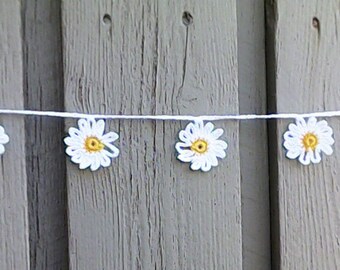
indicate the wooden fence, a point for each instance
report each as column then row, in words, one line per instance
column 148, row 210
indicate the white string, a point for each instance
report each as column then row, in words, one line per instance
column 171, row 117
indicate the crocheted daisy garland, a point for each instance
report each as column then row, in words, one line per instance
column 88, row 146
column 200, row 145
column 3, row 140
column 307, row 140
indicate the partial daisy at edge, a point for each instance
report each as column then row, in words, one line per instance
column 4, row 139
column 89, row 147
column 200, row 145
column 308, row 140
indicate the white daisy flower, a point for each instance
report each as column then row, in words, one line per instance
column 200, row 145
column 3, row 140
column 88, row 146
column 306, row 140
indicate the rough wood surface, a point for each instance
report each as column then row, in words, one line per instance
column 45, row 151
column 253, row 136
column 14, row 251
column 149, row 211
column 305, row 51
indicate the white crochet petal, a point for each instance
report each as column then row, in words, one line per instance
column 200, row 145
column 4, row 139
column 89, row 147
column 307, row 140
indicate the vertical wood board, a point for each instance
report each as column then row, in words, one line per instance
column 45, row 151
column 14, row 250
column 149, row 211
column 253, row 136
column 307, row 50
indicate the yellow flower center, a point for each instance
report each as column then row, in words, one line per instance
column 93, row 144
column 310, row 141
column 199, row 146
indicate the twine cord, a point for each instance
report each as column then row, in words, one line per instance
column 170, row 117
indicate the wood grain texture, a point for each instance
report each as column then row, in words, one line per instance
column 149, row 211
column 46, row 170
column 307, row 79
column 253, row 136
column 14, row 250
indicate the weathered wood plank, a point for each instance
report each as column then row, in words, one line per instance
column 148, row 211
column 45, row 151
column 253, row 135
column 305, row 51
column 14, row 248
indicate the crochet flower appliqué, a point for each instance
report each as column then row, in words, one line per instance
column 306, row 140
column 3, row 140
column 88, row 146
column 200, row 145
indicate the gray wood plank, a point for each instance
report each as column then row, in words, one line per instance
column 253, row 136
column 14, row 248
column 149, row 211
column 305, row 52
column 46, row 170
